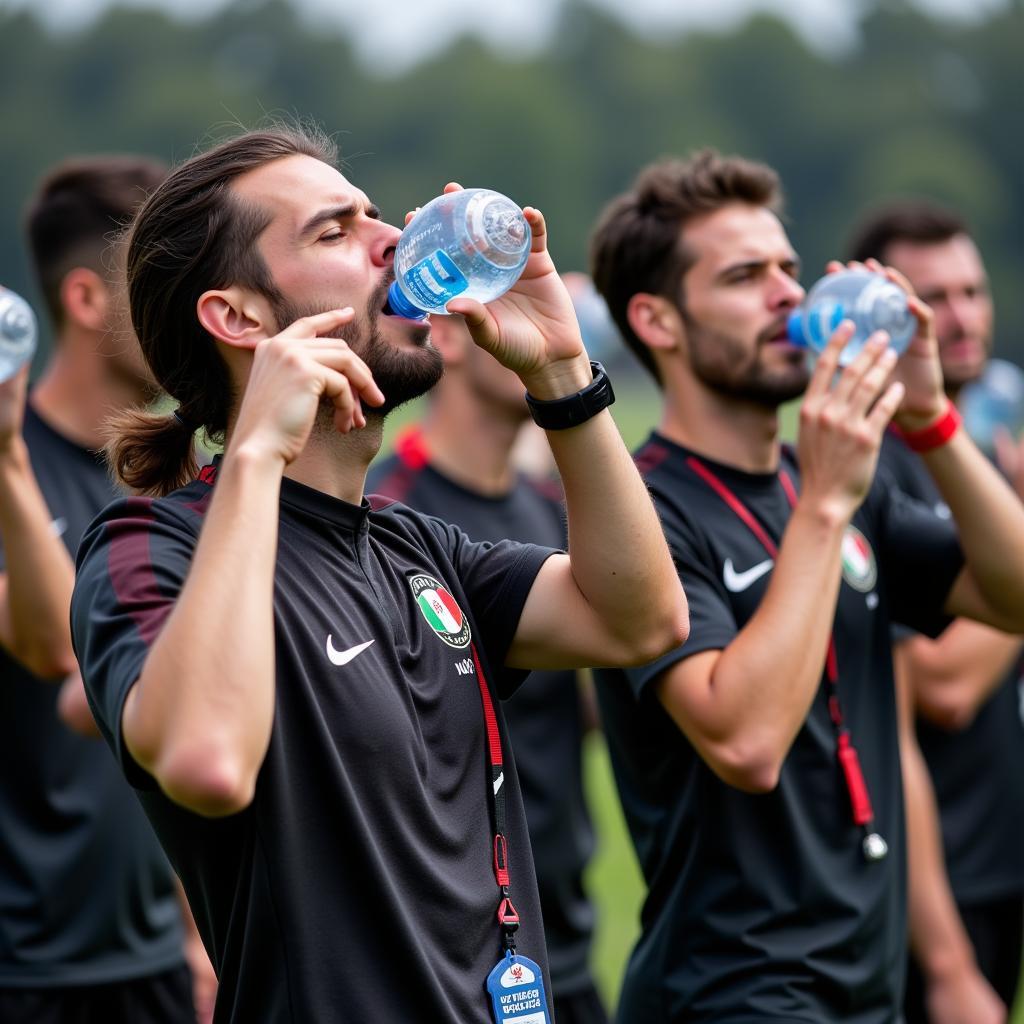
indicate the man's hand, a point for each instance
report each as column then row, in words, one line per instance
column 841, row 424
column 12, row 409
column 532, row 329
column 291, row 373
column 963, row 997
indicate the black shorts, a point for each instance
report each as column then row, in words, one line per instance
column 155, row 999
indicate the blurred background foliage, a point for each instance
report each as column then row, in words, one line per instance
column 915, row 106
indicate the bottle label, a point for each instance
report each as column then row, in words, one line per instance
column 435, row 280
column 821, row 321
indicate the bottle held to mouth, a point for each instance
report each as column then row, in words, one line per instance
column 870, row 300
column 18, row 333
column 472, row 243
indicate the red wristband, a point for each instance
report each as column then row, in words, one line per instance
column 935, row 434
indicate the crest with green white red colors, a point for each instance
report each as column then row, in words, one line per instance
column 859, row 567
column 440, row 609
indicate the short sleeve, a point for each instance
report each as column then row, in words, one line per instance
column 713, row 624
column 132, row 563
column 496, row 579
column 921, row 555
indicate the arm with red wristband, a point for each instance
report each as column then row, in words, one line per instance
column 988, row 515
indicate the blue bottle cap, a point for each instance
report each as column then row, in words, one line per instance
column 401, row 306
column 795, row 328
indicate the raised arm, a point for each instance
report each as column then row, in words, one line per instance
column 616, row 598
column 200, row 715
column 35, row 590
column 743, row 706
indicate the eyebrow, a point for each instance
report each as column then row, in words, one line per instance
column 335, row 213
column 792, row 262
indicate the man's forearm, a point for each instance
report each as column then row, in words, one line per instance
column 952, row 676
column 34, row 603
column 747, row 712
column 990, row 522
column 620, row 559
column 199, row 717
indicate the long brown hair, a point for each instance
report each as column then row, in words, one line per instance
column 192, row 235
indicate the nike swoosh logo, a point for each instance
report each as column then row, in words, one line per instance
column 498, row 781
column 59, row 526
column 739, row 581
column 344, row 657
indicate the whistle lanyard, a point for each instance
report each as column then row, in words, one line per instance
column 508, row 916
column 874, row 846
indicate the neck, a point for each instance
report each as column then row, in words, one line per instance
column 79, row 391
column 729, row 430
column 336, row 463
column 470, row 441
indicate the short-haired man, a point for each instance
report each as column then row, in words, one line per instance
column 458, row 465
column 304, row 687
column 965, row 683
column 90, row 920
column 758, row 763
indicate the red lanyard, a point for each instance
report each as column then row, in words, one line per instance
column 508, row 916
column 875, row 847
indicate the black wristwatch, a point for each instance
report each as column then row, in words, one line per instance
column 572, row 410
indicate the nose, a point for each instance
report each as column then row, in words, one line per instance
column 382, row 251
column 786, row 293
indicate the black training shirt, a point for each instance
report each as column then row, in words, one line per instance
column 544, row 716
column 358, row 885
column 977, row 771
column 762, row 906
column 86, row 894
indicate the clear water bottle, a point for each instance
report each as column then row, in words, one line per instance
column 472, row 243
column 994, row 400
column 18, row 333
column 870, row 300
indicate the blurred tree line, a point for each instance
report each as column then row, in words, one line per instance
column 919, row 106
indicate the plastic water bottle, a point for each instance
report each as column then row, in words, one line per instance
column 995, row 399
column 870, row 300
column 18, row 333
column 472, row 243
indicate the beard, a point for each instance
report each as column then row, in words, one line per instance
column 401, row 375
column 726, row 365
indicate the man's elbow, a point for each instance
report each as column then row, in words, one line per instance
column 46, row 661
column 206, row 781
column 949, row 711
column 657, row 636
column 745, row 768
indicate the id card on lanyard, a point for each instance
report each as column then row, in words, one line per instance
column 516, row 984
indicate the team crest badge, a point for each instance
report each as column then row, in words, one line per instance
column 440, row 609
column 859, row 567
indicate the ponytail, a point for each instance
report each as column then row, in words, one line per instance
column 151, row 454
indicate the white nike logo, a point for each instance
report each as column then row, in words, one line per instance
column 344, row 657
column 738, row 581
column 498, row 781
column 59, row 526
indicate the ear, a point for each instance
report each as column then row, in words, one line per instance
column 655, row 321
column 85, row 298
column 236, row 317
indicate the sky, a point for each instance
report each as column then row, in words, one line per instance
column 396, row 33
